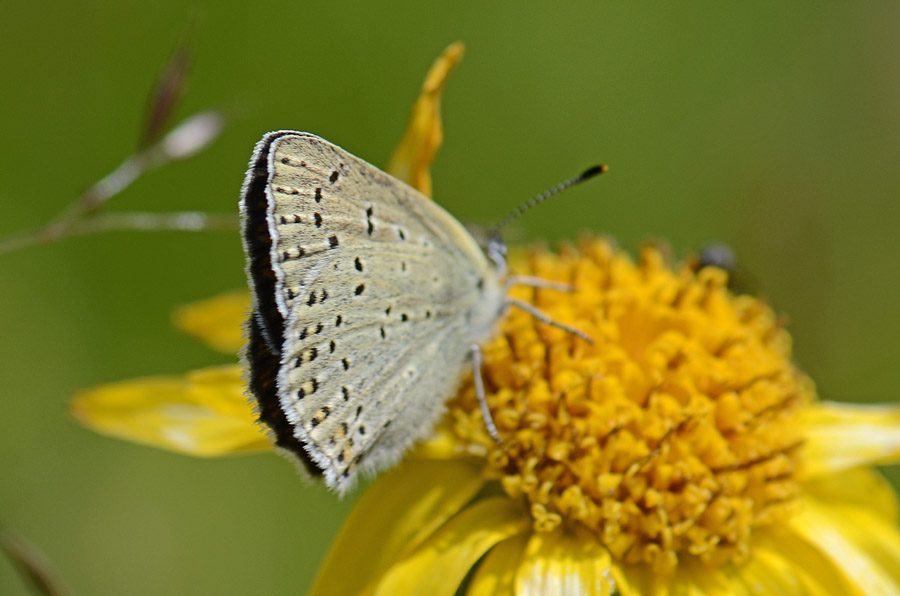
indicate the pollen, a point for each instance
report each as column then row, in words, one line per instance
column 673, row 435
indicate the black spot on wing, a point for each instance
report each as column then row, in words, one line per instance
column 370, row 211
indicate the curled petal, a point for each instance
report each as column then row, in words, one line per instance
column 565, row 563
column 497, row 573
column 397, row 513
column 441, row 563
column 203, row 413
column 218, row 321
column 841, row 436
column 411, row 161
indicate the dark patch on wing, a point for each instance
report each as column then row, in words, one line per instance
column 263, row 373
column 258, row 240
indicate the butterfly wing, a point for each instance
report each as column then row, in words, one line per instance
column 367, row 296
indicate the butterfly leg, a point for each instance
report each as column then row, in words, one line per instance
column 543, row 318
column 477, row 363
column 537, row 282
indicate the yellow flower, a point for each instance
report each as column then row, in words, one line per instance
column 680, row 453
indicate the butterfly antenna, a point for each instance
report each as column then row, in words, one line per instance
column 534, row 201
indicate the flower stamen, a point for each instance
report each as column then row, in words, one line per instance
column 670, row 436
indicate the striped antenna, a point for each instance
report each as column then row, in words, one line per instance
column 534, row 201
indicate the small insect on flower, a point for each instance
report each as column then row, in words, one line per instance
column 369, row 301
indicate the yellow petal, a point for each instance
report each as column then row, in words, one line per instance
column 564, row 563
column 441, row 563
column 218, row 321
column 497, row 573
column 828, row 530
column 204, row 413
column 411, row 161
column 861, row 487
column 879, row 540
column 772, row 573
column 769, row 573
column 781, row 552
column 399, row 511
column 690, row 578
column 841, row 436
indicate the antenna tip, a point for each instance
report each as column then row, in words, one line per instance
column 593, row 171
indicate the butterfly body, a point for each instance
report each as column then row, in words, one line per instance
column 367, row 298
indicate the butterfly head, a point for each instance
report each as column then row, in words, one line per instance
column 496, row 252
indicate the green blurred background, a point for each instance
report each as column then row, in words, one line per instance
column 774, row 127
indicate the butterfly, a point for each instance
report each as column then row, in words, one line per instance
column 369, row 302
